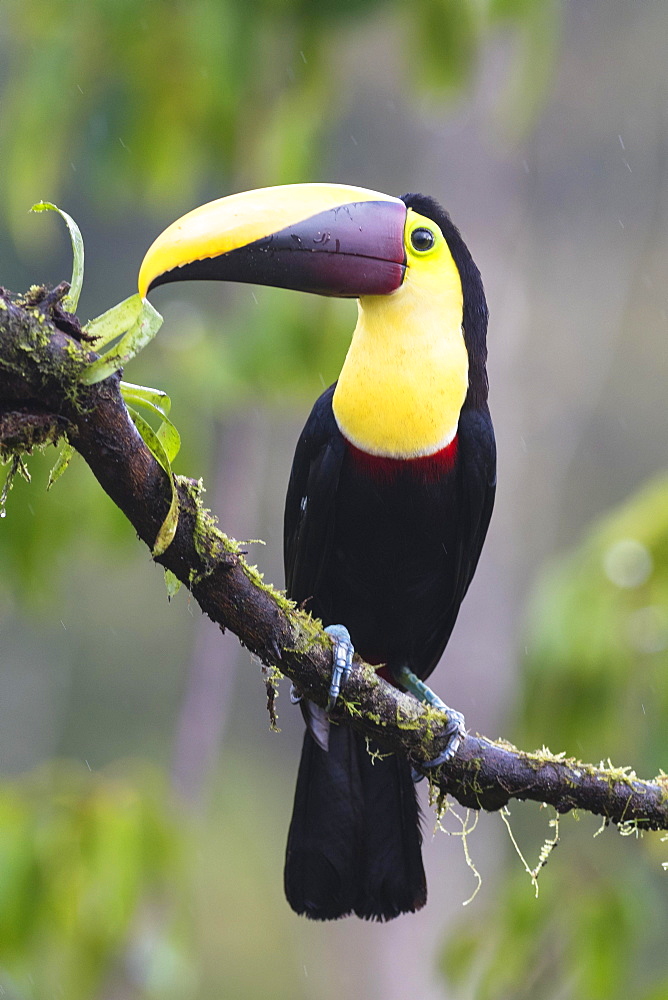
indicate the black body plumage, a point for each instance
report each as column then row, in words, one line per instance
column 389, row 554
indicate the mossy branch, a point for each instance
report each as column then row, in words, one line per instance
column 43, row 353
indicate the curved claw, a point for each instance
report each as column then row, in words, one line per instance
column 456, row 727
column 342, row 661
column 455, row 730
column 295, row 695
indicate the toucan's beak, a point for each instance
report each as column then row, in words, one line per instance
column 326, row 238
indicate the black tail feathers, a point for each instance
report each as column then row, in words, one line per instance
column 354, row 844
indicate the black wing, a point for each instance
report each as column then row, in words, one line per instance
column 477, row 453
column 310, row 502
column 464, row 530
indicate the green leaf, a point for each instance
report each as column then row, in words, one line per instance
column 142, row 331
column 71, row 300
column 114, row 321
column 167, row 530
column 170, row 439
column 165, row 536
column 62, row 462
column 172, row 583
column 157, row 402
column 157, row 397
column 151, row 440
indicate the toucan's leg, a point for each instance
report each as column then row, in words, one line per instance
column 342, row 661
column 456, row 726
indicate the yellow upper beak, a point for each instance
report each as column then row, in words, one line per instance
column 329, row 220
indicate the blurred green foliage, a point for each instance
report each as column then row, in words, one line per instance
column 157, row 102
column 40, row 535
column 595, row 681
column 109, row 885
column 598, row 634
column 79, row 853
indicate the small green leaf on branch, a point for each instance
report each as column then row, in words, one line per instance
column 147, row 321
column 158, row 403
column 154, row 444
column 71, row 300
column 61, row 464
column 172, row 583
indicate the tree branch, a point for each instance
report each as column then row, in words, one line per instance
column 42, row 354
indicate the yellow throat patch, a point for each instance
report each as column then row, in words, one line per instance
column 405, row 376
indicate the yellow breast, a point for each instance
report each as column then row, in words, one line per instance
column 405, row 377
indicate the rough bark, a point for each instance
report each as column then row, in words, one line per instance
column 42, row 354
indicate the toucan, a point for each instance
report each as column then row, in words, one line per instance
column 389, row 498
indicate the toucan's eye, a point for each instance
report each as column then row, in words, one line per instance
column 422, row 239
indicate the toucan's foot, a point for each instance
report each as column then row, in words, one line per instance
column 342, row 661
column 295, row 695
column 456, row 726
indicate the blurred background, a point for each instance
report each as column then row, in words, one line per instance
column 144, row 801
